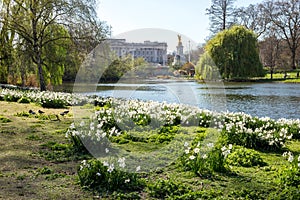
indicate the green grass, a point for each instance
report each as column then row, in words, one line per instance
column 291, row 78
column 21, row 146
column 37, row 162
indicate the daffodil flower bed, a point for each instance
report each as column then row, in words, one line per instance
column 114, row 122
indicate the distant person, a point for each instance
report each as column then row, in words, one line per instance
column 297, row 74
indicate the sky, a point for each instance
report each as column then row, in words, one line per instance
column 185, row 17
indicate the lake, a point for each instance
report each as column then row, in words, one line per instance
column 274, row 100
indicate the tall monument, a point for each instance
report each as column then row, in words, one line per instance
column 179, row 58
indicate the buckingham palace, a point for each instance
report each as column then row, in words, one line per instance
column 152, row 52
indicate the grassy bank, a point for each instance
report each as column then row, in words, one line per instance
column 37, row 162
column 30, row 167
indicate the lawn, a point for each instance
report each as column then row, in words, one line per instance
column 38, row 161
column 29, row 168
column 291, row 77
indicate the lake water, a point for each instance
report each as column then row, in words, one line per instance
column 275, row 100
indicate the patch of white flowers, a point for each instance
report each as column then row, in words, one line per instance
column 273, row 132
column 226, row 150
column 39, row 97
column 124, row 113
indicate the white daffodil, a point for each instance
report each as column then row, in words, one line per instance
column 192, row 157
column 196, row 150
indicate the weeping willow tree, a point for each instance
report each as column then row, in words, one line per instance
column 206, row 68
column 235, row 53
column 55, row 53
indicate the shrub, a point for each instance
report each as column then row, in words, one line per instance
column 244, row 157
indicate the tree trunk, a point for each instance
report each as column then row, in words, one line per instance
column 40, row 71
column 271, row 74
column 293, row 59
column 37, row 51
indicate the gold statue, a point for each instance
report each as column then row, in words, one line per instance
column 179, row 38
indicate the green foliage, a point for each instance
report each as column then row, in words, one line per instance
column 58, row 152
column 22, row 114
column 286, row 193
column 117, row 68
column 160, row 136
column 95, row 176
column 53, row 103
column 202, row 159
column 11, row 98
column 167, row 188
column 54, row 176
column 244, row 157
column 245, row 193
column 125, row 196
column 24, row 100
column 121, row 66
column 33, row 137
column 206, row 69
column 234, row 52
column 202, row 194
column 256, row 133
column 77, row 144
column 290, row 174
column 45, row 170
column 33, row 41
column 4, row 119
column 55, row 61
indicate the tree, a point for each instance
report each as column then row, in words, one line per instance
column 235, row 53
column 206, row 68
column 285, row 16
column 6, row 43
column 42, row 24
column 269, row 51
column 125, row 67
column 220, row 15
column 252, row 17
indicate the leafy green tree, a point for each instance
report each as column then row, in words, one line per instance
column 123, row 66
column 6, row 43
column 206, row 68
column 235, row 53
column 42, row 24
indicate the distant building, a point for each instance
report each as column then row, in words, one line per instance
column 152, row 52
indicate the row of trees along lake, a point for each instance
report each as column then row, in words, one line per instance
column 44, row 42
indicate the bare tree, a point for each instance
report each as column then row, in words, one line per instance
column 252, row 17
column 285, row 16
column 270, row 51
column 220, row 15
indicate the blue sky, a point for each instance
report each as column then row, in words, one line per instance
column 186, row 17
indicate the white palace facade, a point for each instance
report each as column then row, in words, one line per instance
column 152, row 52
